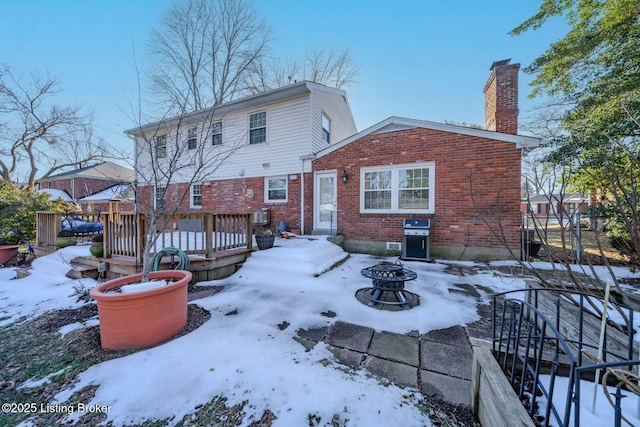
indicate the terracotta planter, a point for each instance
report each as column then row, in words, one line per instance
column 145, row 318
column 7, row 252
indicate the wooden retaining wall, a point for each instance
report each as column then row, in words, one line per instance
column 493, row 400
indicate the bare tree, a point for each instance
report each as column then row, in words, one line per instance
column 208, row 52
column 204, row 50
column 82, row 149
column 540, row 176
column 332, row 68
column 168, row 162
column 36, row 132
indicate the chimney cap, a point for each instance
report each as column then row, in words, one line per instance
column 501, row 63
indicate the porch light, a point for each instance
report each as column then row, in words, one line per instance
column 345, row 176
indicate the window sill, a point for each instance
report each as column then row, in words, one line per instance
column 399, row 213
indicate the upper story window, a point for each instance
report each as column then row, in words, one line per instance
column 192, row 138
column 216, row 133
column 326, row 129
column 258, row 127
column 161, row 146
column 398, row 189
column 275, row 189
column 196, row 196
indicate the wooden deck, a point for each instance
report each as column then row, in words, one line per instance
column 223, row 264
column 216, row 243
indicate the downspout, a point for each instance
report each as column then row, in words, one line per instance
column 302, row 159
column 136, row 202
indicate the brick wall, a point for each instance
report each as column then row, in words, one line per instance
column 238, row 195
column 493, row 166
column 501, row 98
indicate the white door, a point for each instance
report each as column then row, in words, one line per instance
column 325, row 212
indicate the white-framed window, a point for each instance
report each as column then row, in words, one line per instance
column 326, row 129
column 161, row 146
column 160, row 198
column 196, row 195
column 192, row 138
column 258, row 127
column 408, row 188
column 216, row 133
column 275, row 189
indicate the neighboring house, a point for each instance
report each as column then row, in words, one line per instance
column 57, row 194
column 271, row 134
column 83, row 182
column 311, row 169
column 548, row 205
column 412, row 169
column 124, row 194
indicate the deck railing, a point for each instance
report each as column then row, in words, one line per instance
column 196, row 233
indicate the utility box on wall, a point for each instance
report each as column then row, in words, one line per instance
column 262, row 216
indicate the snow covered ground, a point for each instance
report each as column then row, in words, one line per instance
column 245, row 356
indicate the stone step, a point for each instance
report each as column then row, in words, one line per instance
column 22, row 272
column 79, row 270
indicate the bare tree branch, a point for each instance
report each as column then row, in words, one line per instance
column 204, row 51
column 36, row 132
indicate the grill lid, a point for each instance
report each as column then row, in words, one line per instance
column 417, row 223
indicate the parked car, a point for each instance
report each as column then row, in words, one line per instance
column 78, row 225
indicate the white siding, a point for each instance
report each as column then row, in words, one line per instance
column 336, row 108
column 287, row 140
column 294, row 129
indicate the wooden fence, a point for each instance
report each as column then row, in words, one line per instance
column 196, row 233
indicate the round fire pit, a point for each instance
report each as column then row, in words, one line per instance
column 389, row 277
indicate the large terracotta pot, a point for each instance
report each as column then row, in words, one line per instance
column 7, row 252
column 145, row 318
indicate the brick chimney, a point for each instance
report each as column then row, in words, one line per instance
column 501, row 98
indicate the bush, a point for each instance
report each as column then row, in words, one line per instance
column 620, row 239
column 18, row 207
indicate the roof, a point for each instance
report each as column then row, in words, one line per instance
column 547, row 198
column 105, row 170
column 275, row 95
column 115, row 192
column 393, row 124
column 57, row 194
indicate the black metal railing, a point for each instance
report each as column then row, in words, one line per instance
column 553, row 332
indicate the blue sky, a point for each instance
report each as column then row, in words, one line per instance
column 424, row 59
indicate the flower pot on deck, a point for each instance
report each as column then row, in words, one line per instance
column 64, row 241
column 97, row 249
column 265, row 242
column 145, row 318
